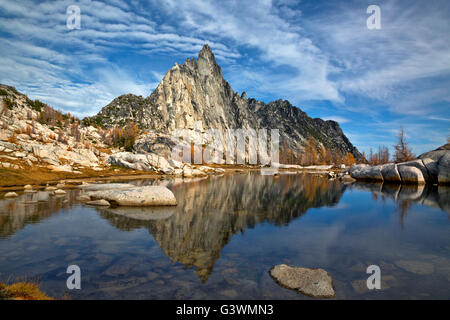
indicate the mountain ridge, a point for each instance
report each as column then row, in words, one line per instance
column 196, row 91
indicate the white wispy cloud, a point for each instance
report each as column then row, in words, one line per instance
column 302, row 51
column 277, row 41
column 337, row 119
column 70, row 69
column 389, row 64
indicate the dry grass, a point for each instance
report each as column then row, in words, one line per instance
column 22, row 291
column 10, row 179
column 104, row 150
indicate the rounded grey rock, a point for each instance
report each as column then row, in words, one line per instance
column 311, row 282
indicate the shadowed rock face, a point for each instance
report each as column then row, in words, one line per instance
column 211, row 211
column 197, row 91
column 437, row 153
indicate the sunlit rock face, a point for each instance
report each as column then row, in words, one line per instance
column 212, row 210
column 196, row 97
column 28, row 140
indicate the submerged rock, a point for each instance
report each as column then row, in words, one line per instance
column 311, row 282
column 137, row 196
column 417, row 267
column 142, row 162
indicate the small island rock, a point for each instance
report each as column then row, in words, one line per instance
column 311, row 282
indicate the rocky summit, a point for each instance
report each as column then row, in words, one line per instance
column 137, row 133
column 196, row 97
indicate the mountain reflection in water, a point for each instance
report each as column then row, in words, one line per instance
column 227, row 232
column 211, row 211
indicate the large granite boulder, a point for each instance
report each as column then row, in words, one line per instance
column 136, row 196
column 437, row 154
column 432, row 168
column 390, row 173
column 358, row 171
column 311, row 282
column 374, row 173
column 417, row 163
column 440, row 168
column 366, row 172
column 411, row 175
column 444, row 169
column 46, row 153
column 141, row 162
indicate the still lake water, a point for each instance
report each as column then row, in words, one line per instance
column 225, row 235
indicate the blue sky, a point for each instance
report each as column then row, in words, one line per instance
column 319, row 55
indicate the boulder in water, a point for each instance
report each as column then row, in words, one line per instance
column 411, row 175
column 137, row 196
column 311, row 282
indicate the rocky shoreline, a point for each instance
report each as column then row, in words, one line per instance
column 429, row 168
